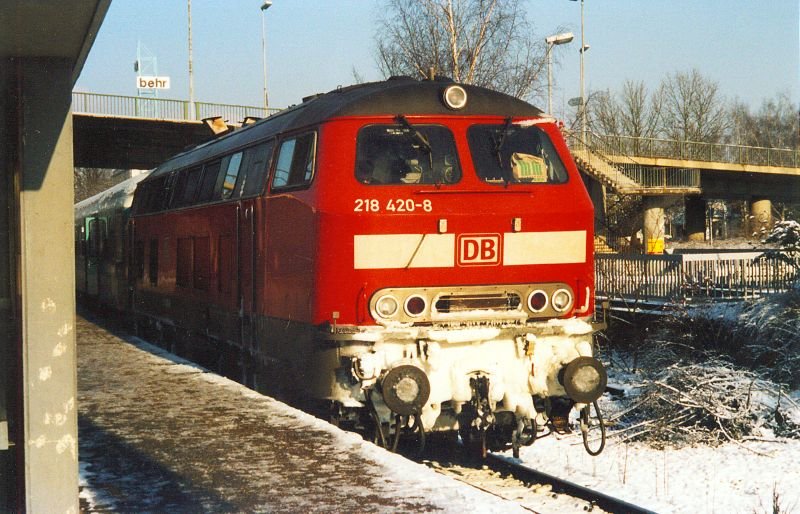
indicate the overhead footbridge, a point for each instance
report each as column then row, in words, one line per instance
column 663, row 171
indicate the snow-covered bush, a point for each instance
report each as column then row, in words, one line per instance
column 708, row 403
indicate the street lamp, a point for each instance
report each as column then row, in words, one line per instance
column 557, row 39
column 266, row 5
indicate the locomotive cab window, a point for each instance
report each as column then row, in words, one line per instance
column 516, row 154
column 295, row 166
column 406, row 154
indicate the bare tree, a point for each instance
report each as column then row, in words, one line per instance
column 90, row 181
column 693, row 108
column 774, row 125
column 633, row 112
column 483, row 42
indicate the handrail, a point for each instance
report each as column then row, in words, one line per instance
column 161, row 108
column 647, row 178
column 649, row 147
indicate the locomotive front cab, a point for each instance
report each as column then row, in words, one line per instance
column 469, row 243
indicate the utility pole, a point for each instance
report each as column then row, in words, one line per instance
column 191, row 70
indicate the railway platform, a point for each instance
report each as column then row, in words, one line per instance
column 160, row 434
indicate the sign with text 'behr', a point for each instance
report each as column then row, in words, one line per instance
column 152, row 82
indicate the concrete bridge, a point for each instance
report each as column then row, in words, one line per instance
column 130, row 132
column 663, row 171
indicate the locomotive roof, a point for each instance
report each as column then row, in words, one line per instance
column 397, row 95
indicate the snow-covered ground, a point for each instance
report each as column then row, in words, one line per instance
column 735, row 477
column 731, row 478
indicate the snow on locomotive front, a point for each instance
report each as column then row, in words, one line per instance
column 455, row 266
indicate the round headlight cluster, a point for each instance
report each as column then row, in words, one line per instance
column 455, row 97
column 560, row 301
column 388, row 306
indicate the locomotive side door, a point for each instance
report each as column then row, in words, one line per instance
column 246, row 256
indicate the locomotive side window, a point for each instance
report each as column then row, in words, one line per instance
column 210, row 174
column 406, row 154
column 186, row 186
column 508, row 153
column 257, row 167
column 234, row 163
column 295, row 165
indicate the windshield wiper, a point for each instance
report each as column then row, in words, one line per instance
column 416, row 135
column 500, row 141
column 419, row 138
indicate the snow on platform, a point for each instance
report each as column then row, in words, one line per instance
column 160, row 434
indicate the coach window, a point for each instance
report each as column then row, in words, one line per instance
column 295, row 166
column 234, row 163
column 406, row 154
column 511, row 153
column 258, row 165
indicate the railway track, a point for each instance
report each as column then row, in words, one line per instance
column 531, row 489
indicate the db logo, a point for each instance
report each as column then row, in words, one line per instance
column 479, row 249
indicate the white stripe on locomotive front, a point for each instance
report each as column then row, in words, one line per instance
column 397, row 251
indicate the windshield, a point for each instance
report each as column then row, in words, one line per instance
column 509, row 153
column 406, row 154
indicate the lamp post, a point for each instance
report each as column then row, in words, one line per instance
column 266, row 5
column 557, row 39
column 584, row 47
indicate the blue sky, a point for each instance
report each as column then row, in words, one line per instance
column 751, row 48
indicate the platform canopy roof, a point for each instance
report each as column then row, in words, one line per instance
column 50, row 28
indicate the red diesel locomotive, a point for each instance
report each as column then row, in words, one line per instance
column 416, row 254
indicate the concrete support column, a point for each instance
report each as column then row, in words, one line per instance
column 654, row 218
column 695, row 209
column 36, row 137
column 761, row 216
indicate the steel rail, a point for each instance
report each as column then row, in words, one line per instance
column 530, row 475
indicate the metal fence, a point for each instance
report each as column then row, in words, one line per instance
column 161, row 108
column 687, row 277
column 695, row 151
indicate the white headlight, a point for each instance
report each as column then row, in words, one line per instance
column 386, row 306
column 561, row 300
column 455, row 97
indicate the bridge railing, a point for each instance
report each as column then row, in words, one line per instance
column 656, row 178
column 161, row 108
column 696, row 151
column 683, row 278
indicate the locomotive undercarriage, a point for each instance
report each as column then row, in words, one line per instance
column 497, row 386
